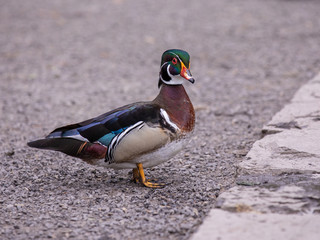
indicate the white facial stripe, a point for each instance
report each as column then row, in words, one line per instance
column 162, row 65
column 177, row 56
column 175, row 80
column 166, row 117
column 168, row 71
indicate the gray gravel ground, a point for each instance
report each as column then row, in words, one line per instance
column 66, row 61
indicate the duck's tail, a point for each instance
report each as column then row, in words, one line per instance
column 70, row 146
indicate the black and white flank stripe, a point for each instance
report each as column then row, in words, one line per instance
column 116, row 140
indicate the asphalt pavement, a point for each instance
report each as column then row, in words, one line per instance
column 66, row 61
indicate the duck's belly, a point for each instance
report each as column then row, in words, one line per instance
column 150, row 159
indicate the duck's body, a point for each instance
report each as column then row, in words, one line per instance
column 137, row 135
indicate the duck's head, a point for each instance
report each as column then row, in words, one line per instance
column 175, row 67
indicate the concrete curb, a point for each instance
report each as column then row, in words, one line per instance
column 277, row 195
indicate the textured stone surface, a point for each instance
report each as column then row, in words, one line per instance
column 252, row 226
column 294, row 136
column 285, row 199
column 303, row 111
column 278, row 195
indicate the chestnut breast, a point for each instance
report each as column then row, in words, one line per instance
column 176, row 102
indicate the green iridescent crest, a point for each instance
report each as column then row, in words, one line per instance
column 170, row 54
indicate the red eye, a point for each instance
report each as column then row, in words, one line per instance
column 174, row 61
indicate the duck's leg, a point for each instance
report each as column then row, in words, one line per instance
column 136, row 175
column 143, row 179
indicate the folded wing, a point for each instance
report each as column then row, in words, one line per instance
column 92, row 138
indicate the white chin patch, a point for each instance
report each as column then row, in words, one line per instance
column 175, row 80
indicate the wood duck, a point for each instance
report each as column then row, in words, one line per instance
column 139, row 135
